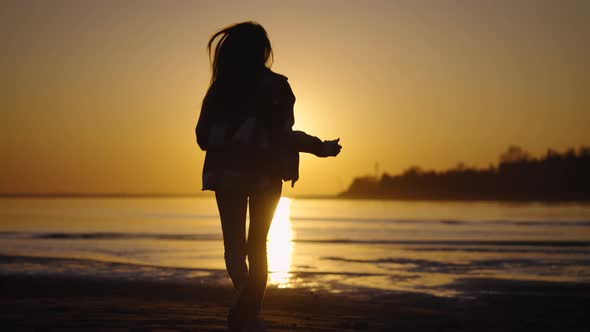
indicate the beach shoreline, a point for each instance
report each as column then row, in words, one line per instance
column 56, row 303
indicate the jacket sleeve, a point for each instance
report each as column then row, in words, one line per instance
column 303, row 142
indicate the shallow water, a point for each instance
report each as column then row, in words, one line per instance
column 321, row 244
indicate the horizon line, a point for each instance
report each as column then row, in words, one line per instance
column 134, row 195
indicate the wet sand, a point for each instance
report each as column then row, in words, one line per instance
column 41, row 303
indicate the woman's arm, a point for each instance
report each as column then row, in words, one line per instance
column 299, row 140
column 302, row 142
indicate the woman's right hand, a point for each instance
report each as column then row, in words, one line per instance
column 331, row 148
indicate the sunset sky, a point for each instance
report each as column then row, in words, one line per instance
column 103, row 96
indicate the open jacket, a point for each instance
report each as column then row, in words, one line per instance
column 247, row 132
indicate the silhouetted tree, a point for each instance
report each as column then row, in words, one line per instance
column 514, row 154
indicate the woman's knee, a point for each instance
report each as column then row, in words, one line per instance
column 234, row 256
column 256, row 252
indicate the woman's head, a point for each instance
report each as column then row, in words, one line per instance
column 240, row 49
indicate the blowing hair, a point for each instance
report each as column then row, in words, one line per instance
column 239, row 51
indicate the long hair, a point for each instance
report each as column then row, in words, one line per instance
column 239, row 51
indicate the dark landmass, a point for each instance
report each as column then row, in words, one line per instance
column 60, row 303
column 555, row 177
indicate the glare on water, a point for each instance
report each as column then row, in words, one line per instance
column 279, row 245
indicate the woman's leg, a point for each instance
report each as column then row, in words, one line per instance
column 262, row 208
column 232, row 212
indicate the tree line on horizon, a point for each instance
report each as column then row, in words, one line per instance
column 518, row 177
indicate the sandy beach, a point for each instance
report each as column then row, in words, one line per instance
column 46, row 303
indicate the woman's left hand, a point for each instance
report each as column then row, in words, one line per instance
column 331, row 148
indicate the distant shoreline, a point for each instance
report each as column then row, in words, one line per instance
column 465, row 200
column 553, row 178
column 138, row 195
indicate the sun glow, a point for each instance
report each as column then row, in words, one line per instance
column 279, row 245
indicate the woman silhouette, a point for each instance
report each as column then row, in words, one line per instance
column 245, row 127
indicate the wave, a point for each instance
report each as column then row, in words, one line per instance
column 451, row 222
column 511, row 250
column 522, row 243
column 218, row 237
column 94, row 267
column 544, row 266
column 111, row 236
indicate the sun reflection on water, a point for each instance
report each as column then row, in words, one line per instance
column 279, row 245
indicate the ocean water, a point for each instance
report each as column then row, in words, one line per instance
column 317, row 244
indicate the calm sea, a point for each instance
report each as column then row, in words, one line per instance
column 318, row 244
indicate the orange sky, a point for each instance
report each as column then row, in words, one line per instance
column 103, row 96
